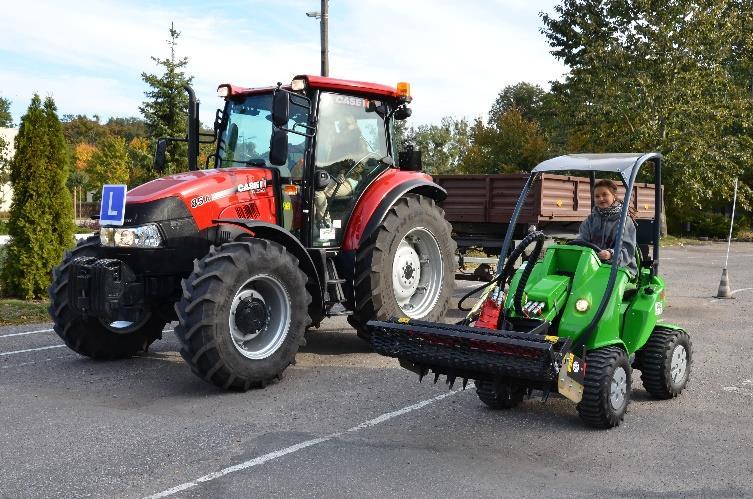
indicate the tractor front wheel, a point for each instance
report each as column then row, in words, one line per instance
column 665, row 362
column 500, row 395
column 243, row 314
column 406, row 268
column 606, row 389
column 92, row 336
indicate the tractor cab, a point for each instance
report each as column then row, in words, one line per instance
column 326, row 140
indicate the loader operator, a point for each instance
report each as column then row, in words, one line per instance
column 600, row 228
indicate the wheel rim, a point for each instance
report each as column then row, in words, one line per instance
column 417, row 271
column 679, row 367
column 260, row 317
column 618, row 389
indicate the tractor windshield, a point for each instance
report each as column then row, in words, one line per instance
column 248, row 129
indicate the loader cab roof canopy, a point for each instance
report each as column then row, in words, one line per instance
column 622, row 163
column 322, row 83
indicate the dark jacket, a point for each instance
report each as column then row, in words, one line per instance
column 602, row 231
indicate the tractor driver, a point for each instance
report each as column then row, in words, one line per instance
column 600, row 228
column 342, row 148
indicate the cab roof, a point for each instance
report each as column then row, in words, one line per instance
column 324, row 83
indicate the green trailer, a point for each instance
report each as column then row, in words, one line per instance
column 564, row 321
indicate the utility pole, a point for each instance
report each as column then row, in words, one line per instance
column 323, row 16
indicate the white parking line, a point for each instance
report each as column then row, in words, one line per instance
column 25, row 333
column 15, row 352
column 300, row 446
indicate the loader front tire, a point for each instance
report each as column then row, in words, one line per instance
column 665, row 362
column 498, row 395
column 606, row 388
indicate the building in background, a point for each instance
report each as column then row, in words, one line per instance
column 6, row 192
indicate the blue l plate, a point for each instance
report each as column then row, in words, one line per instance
column 112, row 209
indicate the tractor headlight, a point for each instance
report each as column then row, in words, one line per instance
column 582, row 305
column 145, row 236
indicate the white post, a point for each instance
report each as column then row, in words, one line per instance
column 731, row 223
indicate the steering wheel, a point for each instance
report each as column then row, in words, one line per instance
column 347, row 173
column 585, row 244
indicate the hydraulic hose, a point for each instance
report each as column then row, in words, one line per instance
column 502, row 278
column 533, row 257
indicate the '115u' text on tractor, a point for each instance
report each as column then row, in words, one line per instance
column 305, row 210
column 568, row 323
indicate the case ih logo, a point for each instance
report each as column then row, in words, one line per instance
column 258, row 186
column 350, row 101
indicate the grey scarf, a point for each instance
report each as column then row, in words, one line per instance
column 611, row 212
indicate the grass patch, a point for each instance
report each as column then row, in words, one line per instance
column 14, row 312
column 669, row 240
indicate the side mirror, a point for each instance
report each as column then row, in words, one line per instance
column 410, row 160
column 403, row 113
column 280, row 108
column 159, row 156
column 232, row 139
column 278, row 147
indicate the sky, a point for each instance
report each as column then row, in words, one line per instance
column 89, row 55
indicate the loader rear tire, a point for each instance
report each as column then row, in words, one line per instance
column 665, row 363
column 406, row 267
column 89, row 336
column 500, row 395
column 243, row 314
column 606, row 388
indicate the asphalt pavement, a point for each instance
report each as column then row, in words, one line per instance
column 345, row 422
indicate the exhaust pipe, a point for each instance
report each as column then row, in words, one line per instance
column 193, row 128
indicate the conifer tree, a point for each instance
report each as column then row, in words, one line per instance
column 6, row 120
column 40, row 223
column 166, row 108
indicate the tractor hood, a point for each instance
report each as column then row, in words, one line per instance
column 209, row 194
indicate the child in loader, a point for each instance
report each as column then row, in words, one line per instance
column 600, row 228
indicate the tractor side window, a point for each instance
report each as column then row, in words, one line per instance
column 246, row 138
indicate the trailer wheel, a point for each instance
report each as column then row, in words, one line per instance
column 665, row 362
column 88, row 335
column 406, row 268
column 606, row 389
column 500, row 395
column 243, row 314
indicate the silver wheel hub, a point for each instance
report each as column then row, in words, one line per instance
column 259, row 317
column 417, row 272
column 678, row 368
column 618, row 389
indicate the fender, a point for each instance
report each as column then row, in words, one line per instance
column 271, row 232
column 379, row 198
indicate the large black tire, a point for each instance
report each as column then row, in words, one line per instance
column 606, row 389
column 89, row 336
column 213, row 343
column 665, row 362
column 419, row 218
column 499, row 395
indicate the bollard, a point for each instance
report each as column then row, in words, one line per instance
column 724, row 291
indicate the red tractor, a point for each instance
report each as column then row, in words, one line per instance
column 303, row 214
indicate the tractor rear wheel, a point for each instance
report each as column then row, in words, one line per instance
column 89, row 335
column 606, row 388
column 500, row 395
column 665, row 362
column 243, row 314
column 406, row 268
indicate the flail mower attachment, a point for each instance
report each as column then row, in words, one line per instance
column 472, row 353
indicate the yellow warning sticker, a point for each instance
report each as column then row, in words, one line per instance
column 552, row 339
column 403, row 320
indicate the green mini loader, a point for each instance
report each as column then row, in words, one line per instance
column 566, row 323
